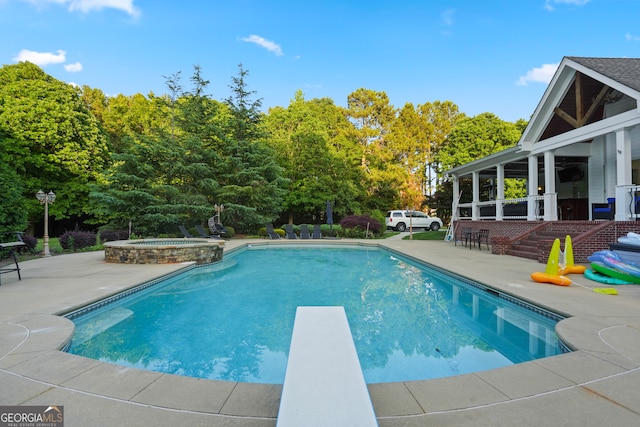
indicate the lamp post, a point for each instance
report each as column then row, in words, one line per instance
column 219, row 209
column 45, row 199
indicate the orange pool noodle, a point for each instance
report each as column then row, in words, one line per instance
column 546, row 278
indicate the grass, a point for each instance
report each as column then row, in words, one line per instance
column 428, row 235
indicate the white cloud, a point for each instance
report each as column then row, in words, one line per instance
column 262, row 42
column 87, row 6
column 447, row 17
column 549, row 4
column 542, row 74
column 73, row 68
column 632, row 38
column 41, row 59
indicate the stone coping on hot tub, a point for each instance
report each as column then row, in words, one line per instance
column 164, row 251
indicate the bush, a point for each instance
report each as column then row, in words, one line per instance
column 30, row 242
column 75, row 240
column 231, row 232
column 262, row 232
column 361, row 222
column 113, row 235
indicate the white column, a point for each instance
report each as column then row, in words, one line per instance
column 532, row 190
column 550, row 195
column 475, row 211
column 623, row 177
column 500, row 195
column 623, row 157
column 455, row 214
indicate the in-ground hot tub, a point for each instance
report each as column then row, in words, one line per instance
column 163, row 251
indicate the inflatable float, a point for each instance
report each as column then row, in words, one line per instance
column 631, row 239
column 569, row 266
column 551, row 274
column 603, row 278
column 610, row 264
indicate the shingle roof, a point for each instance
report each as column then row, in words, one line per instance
column 623, row 70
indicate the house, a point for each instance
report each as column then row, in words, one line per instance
column 579, row 156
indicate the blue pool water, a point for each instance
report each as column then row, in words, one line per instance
column 233, row 320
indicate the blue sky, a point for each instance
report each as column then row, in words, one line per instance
column 485, row 56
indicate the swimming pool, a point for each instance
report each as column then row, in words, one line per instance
column 233, row 320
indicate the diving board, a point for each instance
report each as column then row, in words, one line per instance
column 324, row 384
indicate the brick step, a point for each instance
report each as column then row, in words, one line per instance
column 548, row 235
column 522, row 254
column 526, row 246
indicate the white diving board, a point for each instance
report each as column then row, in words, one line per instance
column 324, row 384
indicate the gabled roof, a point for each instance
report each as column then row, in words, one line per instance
column 623, row 70
column 598, row 78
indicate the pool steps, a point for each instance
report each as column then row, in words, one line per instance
column 324, row 384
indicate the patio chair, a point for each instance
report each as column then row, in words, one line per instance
column 304, row 231
column 317, row 232
column 185, row 232
column 11, row 248
column 288, row 229
column 271, row 232
column 464, row 236
column 482, row 236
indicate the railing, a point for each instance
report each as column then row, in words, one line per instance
column 507, row 209
column 633, row 201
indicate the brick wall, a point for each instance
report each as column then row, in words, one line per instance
column 587, row 237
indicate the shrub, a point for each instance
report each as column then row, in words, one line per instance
column 262, row 232
column 30, row 242
column 74, row 240
column 113, row 235
column 231, row 232
column 361, row 222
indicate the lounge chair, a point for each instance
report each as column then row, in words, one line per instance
column 288, row 229
column 185, row 232
column 317, row 233
column 201, row 231
column 271, row 232
column 304, row 231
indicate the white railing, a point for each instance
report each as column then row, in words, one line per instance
column 517, row 208
column 632, row 205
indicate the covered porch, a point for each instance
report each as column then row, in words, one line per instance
column 577, row 160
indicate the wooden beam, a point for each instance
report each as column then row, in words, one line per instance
column 566, row 117
column 579, row 108
column 594, row 105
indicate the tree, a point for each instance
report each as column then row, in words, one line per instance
column 252, row 185
column 156, row 185
column 13, row 212
column 52, row 141
column 312, row 145
column 476, row 137
column 372, row 117
column 471, row 139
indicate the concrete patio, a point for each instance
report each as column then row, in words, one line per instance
column 595, row 385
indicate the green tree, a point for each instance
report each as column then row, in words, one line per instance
column 13, row 212
column 476, row 137
column 311, row 139
column 156, row 185
column 372, row 116
column 252, row 183
column 53, row 142
column 471, row 139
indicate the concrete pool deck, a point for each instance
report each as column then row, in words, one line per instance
column 598, row 384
